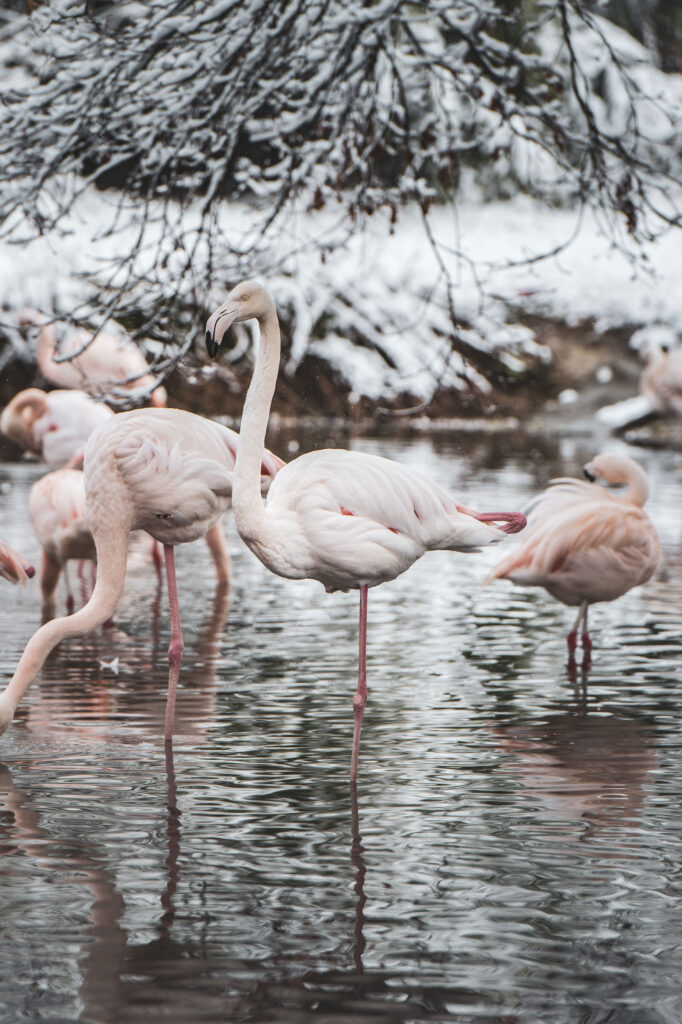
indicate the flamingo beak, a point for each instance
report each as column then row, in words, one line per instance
column 589, row 475
column 217, row 326
column 30, row 571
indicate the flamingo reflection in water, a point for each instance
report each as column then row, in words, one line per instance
column 79, row 677
column 188, row 978
column 584, row 769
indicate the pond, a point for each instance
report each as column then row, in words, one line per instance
column 511, row 853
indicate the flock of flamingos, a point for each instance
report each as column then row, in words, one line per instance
column 347, row 519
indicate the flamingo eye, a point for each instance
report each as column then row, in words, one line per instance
column 245, row 298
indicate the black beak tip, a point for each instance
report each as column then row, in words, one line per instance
column 212, row 345
column 589, row 476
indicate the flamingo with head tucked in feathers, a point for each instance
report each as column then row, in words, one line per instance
column 585, row 545
column 347, row 519
column 100, row 363
column 167, row 472
column 53, row 425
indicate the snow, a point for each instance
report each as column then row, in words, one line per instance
column 376, row 309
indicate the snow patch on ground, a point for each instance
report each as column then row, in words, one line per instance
column 377, row 308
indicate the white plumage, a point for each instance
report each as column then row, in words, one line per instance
column 53, row 425
column 349, row 520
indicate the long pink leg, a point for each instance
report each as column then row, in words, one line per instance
column 176, row 646
column 360, row 695
column 587, row 642
column 156, row 558
column 572, row 637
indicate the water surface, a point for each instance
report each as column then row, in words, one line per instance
column 512, row 851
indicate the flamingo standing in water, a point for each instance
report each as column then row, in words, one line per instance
column 164, row 471
column 347, row 519
column 584, row 545
column 53, row 425
column 56, row 509
column 661, row 379
column 101, row 362
column 13, row 567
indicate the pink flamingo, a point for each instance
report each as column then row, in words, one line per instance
column 101, row 362
column 13, row 567
column 56, row 509
column 53, row 425
column 661, row 379
column 164, row 471
column 584, row 545
column 347, row 519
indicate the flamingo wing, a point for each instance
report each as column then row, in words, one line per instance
column 348, row 518
column 593, row 551
column 175, row 466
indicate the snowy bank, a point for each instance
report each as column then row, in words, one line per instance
column 375, row 307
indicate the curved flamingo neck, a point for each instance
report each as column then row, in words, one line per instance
column 638, row 487
column 47, row 342
column 249, row 512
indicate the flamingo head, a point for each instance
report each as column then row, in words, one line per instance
column 247, row 301
column 611, row 468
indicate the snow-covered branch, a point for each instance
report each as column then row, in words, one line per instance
column 288, row 106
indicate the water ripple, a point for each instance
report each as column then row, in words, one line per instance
column 511, row 854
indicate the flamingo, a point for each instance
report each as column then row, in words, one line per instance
column 100, row 363
column 347, row 519
column 56, row 509
column 53, row 425
column 660, row 386
column 584, row 545
column 13, row 567
column 167, row 472
column 661, row 379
